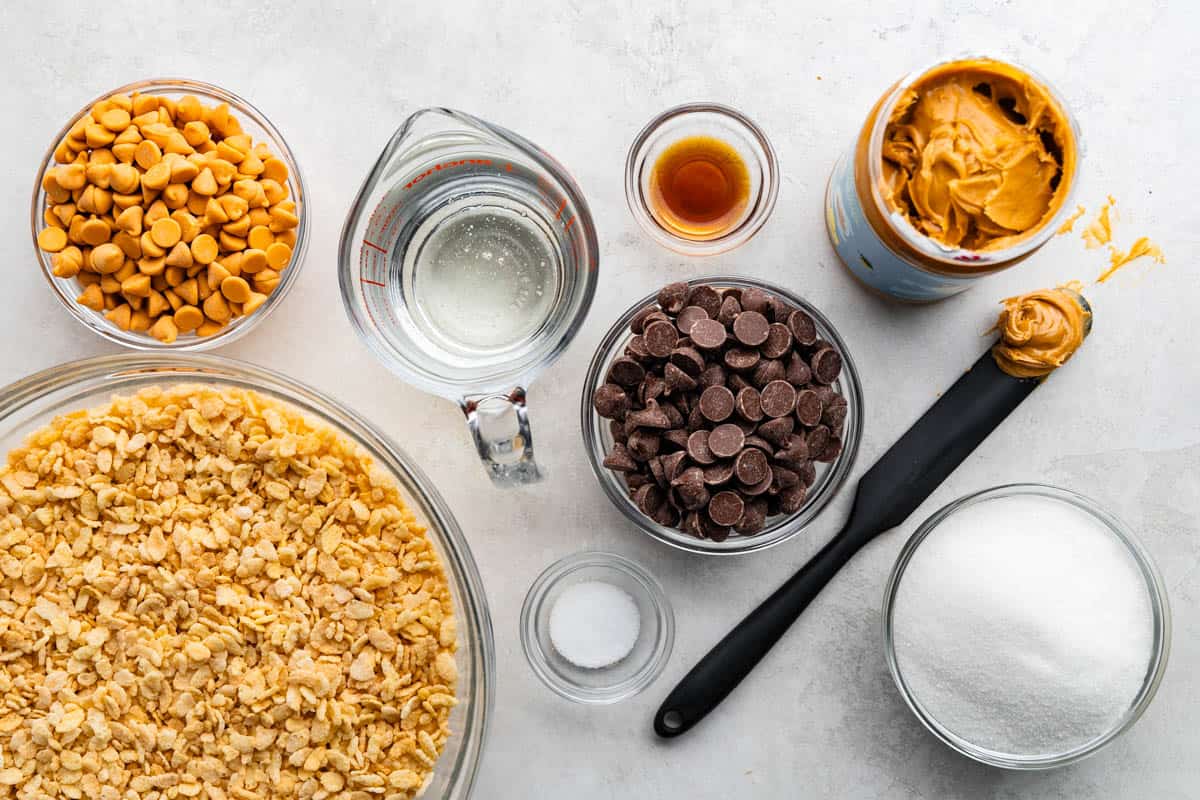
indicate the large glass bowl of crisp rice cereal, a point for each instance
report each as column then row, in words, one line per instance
column 215, row 578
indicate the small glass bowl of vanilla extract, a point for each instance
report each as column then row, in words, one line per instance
column 701, row 178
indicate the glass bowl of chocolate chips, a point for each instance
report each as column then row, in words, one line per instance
column 722, row 414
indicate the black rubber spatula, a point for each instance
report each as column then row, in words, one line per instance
column 891, row 490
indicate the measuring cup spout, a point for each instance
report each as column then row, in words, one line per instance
column 499, row 424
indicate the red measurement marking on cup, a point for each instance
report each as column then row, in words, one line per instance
column 374, row 246
column 373, row 283
column 561, row 207
column 486, row 162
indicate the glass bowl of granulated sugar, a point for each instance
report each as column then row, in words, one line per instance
column 1026, row 627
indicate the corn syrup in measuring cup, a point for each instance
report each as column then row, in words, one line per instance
column 467, row 263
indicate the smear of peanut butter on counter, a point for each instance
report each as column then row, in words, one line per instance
column 1099, row 231
column 1069, row 223
column 1039, row 331
column 1118, row 258
column 973, row 155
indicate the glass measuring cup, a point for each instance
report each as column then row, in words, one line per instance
column 467, row 263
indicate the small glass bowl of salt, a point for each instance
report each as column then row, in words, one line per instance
column 596, row 628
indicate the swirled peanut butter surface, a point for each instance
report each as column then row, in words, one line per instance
column 1039, row 331
column 974, row 154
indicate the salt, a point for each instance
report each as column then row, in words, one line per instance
column 1024, row 626
column 594, row 624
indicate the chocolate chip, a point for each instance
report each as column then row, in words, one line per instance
column 737, row 382
column 755, row 489
column 741, row 359
column 826, row 365
column 673, row 414
column 695, row 420
column 698, row 449
column 716, row 474
column 746, row 426
column 832, row 449
column 768, row 371
column 777, row 431
column 784, row 478
column 753, row 299
column 619, row 459
column 652, row 388
column 639, row 319
column 687, row 359
column 713, row 375
column 753, row 440
column 751, row 328
column 634, row 480
column 716, row 403
column 751, row 466
column 708, row 334
column 673, row 297
column 808, row 473
column 707, row 298
column 792, row 498
column 677, row 438
column 672, row 463
column 693, row 494
column 730, row 308
column 803, row 329
column 808, row 408
column 749, row 404
column 726, row 440
column 726, row 508
column 649, row 499
column 798, row 372
column 794, row 452
column 610, row 401
column 677, row 380
column 834, row 415
column 818, row 438
column 649, row 417
column 711, row 530
column 617, row 429
column 643, row 445
column 660, row 338
column 778, row 399
column 689, row 317
column 656, row 469
column 778, row 309
column 779, row 341
column 754, row 518
column 666, row 515
column 626, row 372
column 636, row 349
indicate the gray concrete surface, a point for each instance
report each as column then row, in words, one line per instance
column 820, row 718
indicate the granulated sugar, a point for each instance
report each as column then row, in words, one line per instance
column 594, row 624
column 1023, row 625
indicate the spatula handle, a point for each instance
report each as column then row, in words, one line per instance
column 719, row 672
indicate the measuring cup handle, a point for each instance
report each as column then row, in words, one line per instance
column 500, row 426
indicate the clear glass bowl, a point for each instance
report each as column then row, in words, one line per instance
column 598, row 440
column 729, row 126
column 618, row 681
column 1160, row 610
column 32, row 402
column 257, row 126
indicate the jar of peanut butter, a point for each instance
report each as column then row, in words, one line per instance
column 962, row 169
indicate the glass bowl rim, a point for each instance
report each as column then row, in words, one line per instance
column 767, row 195
column 94, row 321
column 93, row 375
column 550, row 577
column 1159, row 607
column 787, row 526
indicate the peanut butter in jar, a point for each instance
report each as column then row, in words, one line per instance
column 961, row 169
